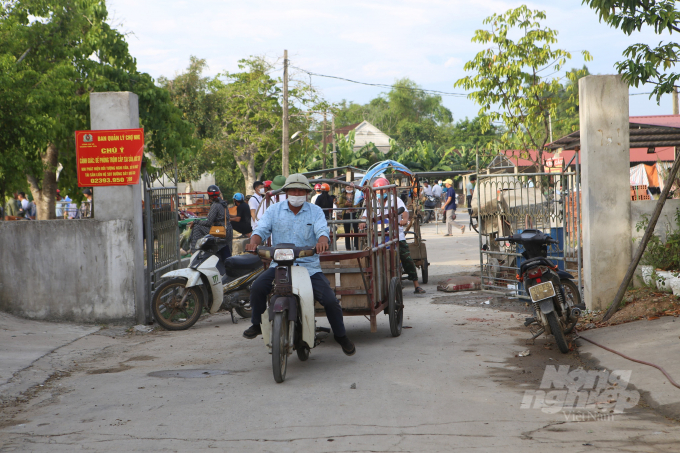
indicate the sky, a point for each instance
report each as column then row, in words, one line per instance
column 376, row 41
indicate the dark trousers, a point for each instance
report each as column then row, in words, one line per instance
column 322, row 294
column 351, row 228
column 469, row 204
column 241, row 228
column 407, row 262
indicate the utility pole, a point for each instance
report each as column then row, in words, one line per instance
column 335, row 151
column 324, row 142
column 550, row 126
column 284, row 143
column 675, row 101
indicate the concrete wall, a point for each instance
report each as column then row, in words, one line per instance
column 67, row 270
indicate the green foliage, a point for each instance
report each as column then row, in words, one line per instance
column 660, row 254
column 53, row 54
column 644, row 63
column 509, row 81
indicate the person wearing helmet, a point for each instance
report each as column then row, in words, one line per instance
column 404, row 252
column 324, row 201
column 241, row 221
column 218, row 215
column 295, row 221
column 317, row 189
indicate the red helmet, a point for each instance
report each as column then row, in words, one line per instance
column 267, row 185
column 381, row 182
column 317, row 187
column 325, row 187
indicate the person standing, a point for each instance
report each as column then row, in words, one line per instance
column 450, row 209
column 346, row 201
column 470, row 186
column 11, row 206
column 27, row 208
column 255, row 201
column 324, row 201
column 86, row 210
column 437, row 194
column 427, row 190
column 317, row 192
column 241, row 221
column 59, row 206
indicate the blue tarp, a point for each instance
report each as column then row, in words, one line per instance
column 375, row 170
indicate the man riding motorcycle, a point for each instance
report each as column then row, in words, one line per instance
column 301, row 223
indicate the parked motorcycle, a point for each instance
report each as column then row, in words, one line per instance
column 178, row 302
column 555, row 298
column 429, row 205
column 290, row 325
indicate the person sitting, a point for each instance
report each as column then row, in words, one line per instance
column 295, row 221
column 217, row 216
column 241, row 221
column 404, row 252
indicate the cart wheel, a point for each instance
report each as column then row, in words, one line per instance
column 395, row 306
column 424, row 273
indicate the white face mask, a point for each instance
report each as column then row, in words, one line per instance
column 349, row 190
column 261, row 191
column 297, row 200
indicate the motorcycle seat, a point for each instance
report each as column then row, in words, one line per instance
column 247, row 261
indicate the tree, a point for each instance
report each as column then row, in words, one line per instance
column 53, row 54
column 644, row 63
column 508, row 81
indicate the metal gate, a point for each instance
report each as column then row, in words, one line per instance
column 161, row 227
column 508, row 202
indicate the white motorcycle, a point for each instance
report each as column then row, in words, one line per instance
column 289, row 324
column 208, row 282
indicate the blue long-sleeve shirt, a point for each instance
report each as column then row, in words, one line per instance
column 303, row 229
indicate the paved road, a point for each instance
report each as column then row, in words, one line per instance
column 451, row 381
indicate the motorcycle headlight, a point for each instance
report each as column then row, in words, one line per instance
column 201, row 242
column 284, row 255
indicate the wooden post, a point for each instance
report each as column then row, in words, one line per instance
column 284, row 142
column 323, row 152
column 675, row 101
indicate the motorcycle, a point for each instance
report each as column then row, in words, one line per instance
column 290, row 324
column 556, row 301
column 429, row 205
column 178, row 302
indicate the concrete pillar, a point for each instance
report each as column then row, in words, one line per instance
column 120, row 110
column 605, row 179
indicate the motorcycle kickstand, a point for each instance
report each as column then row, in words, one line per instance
column 233, row 318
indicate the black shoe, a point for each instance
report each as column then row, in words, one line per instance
column 347, row 346
column 252, row 332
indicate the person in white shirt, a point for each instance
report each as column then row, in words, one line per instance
column 404, row 252
column 255, row 201
column 437, row 194
column 317, row 190
column 427, row 190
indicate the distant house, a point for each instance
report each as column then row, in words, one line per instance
column 365, row 133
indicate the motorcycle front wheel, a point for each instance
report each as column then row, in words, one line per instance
column 556, row 330
column 175, row 307
column 280, row 346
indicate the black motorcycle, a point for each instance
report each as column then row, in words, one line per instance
column 429, row 205
column 555, row 298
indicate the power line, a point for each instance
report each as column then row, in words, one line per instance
column 382, row 85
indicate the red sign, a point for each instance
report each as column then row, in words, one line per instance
column 109, row 158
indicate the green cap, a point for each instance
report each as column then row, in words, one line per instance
column 278, row 182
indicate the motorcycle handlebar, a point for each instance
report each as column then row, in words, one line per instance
column 299, row 252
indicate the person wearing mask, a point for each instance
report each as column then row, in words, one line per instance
column 255, row 201
column 404, row 252
column 12, row 206
column 324, row 201
column 295, row 221
column 450, row 209
column 347, row 202
column 217, row 216
column 241, row 221
column 276, row 184
column 317, row 190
